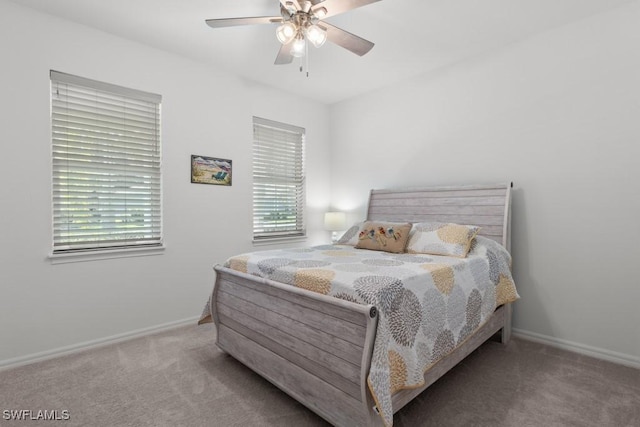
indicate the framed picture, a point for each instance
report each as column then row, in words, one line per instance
column 210, row 170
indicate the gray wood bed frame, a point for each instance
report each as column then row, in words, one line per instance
column 318, row 348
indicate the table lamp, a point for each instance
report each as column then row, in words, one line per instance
column 334, row 222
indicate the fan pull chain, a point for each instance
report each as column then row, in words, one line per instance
column 306, row 56
column 304, row 66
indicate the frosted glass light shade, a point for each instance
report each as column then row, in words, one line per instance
column 316, row 35
column 286, row 32
column 298, row 48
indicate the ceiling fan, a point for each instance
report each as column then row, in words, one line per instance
column 301, row 22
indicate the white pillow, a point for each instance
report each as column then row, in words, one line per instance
column 437, row 238
column 350, row 237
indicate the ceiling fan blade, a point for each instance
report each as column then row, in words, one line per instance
column 345, row 39
column 233, row 22
column 284, row 55
column 336, row 7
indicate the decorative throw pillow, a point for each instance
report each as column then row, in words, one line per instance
column 384, row 236
column 437, row 238
column 350, row 237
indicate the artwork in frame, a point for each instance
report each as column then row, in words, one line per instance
column 210, row 170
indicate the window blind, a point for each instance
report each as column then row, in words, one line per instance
column 278, row 180
column 106, row 165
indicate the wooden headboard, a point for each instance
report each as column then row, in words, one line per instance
column 487, row 206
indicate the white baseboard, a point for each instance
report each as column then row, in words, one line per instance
column 598, row 353
column 62, row 351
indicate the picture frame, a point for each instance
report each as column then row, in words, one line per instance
column 210, row 170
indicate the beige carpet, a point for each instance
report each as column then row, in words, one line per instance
column 180, row 378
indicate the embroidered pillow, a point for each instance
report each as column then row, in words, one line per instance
column 437, row 238
column 384, row 236
column 350, row 237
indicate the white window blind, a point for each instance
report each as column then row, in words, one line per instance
column 278, row 180
column 106, row 165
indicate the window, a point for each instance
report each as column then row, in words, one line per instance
column 278, row 180
column 106, row 166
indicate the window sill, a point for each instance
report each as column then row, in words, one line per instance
column 65, row 258
column 279, row 240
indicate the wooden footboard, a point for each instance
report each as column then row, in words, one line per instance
column 313, row 347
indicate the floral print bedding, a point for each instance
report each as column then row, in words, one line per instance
column 428, row 304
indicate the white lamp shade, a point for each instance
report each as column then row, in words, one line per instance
column 298, row 47
column 316, row 35
column 335, row 221
column 286, row 32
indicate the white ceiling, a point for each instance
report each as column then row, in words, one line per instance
column 412, row 37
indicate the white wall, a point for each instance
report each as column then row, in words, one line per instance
column 45, row 307
column 558, row 114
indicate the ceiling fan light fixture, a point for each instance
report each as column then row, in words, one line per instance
column 316, row 35
column 300, row 23
column 286, row 32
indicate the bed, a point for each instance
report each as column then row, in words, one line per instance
column 321, row 349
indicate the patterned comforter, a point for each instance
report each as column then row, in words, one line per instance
column 428, row 304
